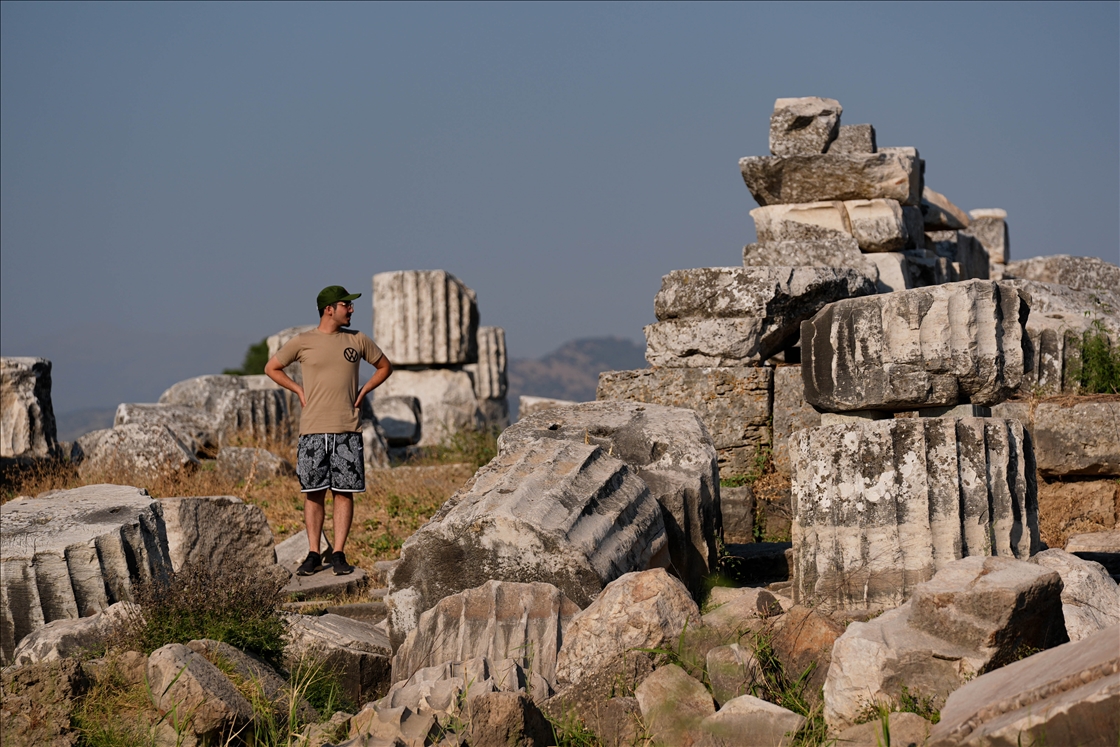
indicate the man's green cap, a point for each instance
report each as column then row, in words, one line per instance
column 333, row 294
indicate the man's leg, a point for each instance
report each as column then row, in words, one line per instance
column 343, row 516
column 314, row 510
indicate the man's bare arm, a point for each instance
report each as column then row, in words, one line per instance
column 384, row 368
column 275, row 371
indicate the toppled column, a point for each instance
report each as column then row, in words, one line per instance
column 731, row 316
column 880, row 505
column 555, row 511
column 424, row 318
column 26, row 413
column 668, row 448
column 74, row 553
column 926, row 347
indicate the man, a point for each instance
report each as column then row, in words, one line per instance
column 330, row 443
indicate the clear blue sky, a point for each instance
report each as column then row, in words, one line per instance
column 179, row 180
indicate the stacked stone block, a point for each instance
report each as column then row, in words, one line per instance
column 426, row 322
column 880, row 502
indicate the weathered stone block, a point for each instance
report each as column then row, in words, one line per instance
column 791, row 413
column 498, row 620
column 879, row 506
column 447, row 401
column 217, row 531
column 249, row 465
column 133, row 451
column 877, row 225
column 773, row 223
column 1067, row 695
column 941, row 214
column 673, row 705
column 828, row 249
column 1079, row 273
column 638, row 610
column 803, row 125
column 1070, row 437
column 26, row 413
column 989, row 227
column 668, row 448
column 424, row 318
column 765, row 722
column 554, row 511
column 733, row 402
column 893, row 270
column 1090, row 601
column 858, row 138
column 727, row 316
column 400, row 418
column 358, row 652
column 890, row 175
column 66, row 638
column 527, row 406
column 960, row 248
column 73, row 553
column 927, row 347
column 978, row 613
column 194, row 694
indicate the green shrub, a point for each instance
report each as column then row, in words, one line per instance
column 238, row 606
column 255, row 358
column 1099, row 371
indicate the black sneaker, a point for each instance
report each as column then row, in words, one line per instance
column 341, row 567
column 310, row 564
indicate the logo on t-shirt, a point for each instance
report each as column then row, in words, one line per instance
column 351, row 354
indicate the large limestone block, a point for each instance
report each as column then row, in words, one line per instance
column 194, row 695
column 726, row 316
column 1079, row 273
column 73, row 553
column 668, row 448
column 490, row 380
column 554, row 511
column 880, row 505
column 877, row 225
column 1072, row 437
column 1067, row 695
column 858, row 138
column 249, row 465
column 926, row 347
column 890, row 175
column 196, row 428
column 26, row 414
column 264, row 678
column 978, row 613
column 1090, row 600
column 791, row 413
column 447, row 402
column 989, row 227
column 773, row 223
column 673, row 705
column 941, row 214
column 217, row 531
column 765, row 722
column 828, row 249
column 803, row 126
column 133, row 451
column 733, row 403
column 424, row 318
column 649, row 609
column 202, row 392
column 498, row 620
column 894, row 271
column 357, row 652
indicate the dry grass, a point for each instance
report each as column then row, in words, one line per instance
column 396, row 502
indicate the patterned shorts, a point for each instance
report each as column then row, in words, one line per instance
column 331, row 460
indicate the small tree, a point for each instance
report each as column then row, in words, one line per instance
column 255, row 358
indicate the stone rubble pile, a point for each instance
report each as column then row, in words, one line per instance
column 427, row 323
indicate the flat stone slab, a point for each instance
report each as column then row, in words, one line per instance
column 889, row 174
column 70, row 554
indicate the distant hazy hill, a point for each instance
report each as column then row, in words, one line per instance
column 572, row 370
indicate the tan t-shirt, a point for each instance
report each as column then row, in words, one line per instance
column 330, row 377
